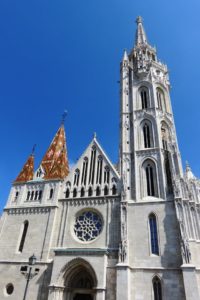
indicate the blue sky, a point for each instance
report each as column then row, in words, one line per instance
column 62, row 54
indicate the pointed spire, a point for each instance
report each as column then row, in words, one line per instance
column 55, row 162
column 125, row 57
column 188, row 171
column 140, row 38
column 27, row 171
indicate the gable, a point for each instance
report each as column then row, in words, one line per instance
column 92, row 175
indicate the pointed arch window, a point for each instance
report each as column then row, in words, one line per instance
column 76, row 177
column 147, row 135
column 36, row 195
column 105, row 190
column 98, row 191
column 92, row 164
column 23, row 237
column 150, row 178
column 75, row 193
column 84, row 171
column 51, row 193
column 28, row 196
column 82, row 192
column 90, row 192
column 194, row 223
column 40, row 195
column 144, row 99
column 153, row 234
column 161, row 100
column 32, row 195
column 107, row 175
column 114, row 189
column 157, row 289
column 67, row 193
column 99, row 169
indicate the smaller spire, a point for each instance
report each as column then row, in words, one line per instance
column 188, row 171
column 94, row 135
column 55, row 162
column 125, row 57
column 140, row 38
column 27, row 171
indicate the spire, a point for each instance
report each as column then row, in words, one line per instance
column 125, row 57
column 140, row 38
column 55, row 162
column 27, row 171
column 188, row 171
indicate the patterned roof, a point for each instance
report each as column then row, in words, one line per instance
column 27, row 171
column 55, row 162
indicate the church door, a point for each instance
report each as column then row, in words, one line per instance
column 83, row 297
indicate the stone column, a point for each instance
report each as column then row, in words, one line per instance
column 190, row 282
column 56, row 292
column 100, row 294
column 122, row 289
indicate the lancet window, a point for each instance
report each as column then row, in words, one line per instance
column 82, row 192
column 161, row 100
column 153, row 234
column 92, row 165
column 76, row 177
column 157, row 289
column 147, row 134
column 150, row 178
column 144, row 99
column 23, row 237
column 98, row 191
column 84, row 171
column 107, row 175
column 99, row 169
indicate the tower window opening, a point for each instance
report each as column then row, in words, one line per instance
column 23, row 237
column 161, row 100
column 28, row 196
column 150, row 183
column 147, row 136
column 144, row 99
column 51, row 193
column 36, row 195
column 40, row 195
column 153, row 234
column 32, row 195
column 16, row 196
column 157, row 289
column 168, row 172
column 150, row 177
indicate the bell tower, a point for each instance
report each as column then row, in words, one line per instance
column 149, row 153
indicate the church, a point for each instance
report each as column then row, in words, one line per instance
column 101, row 231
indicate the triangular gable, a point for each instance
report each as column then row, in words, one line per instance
column 92, row 173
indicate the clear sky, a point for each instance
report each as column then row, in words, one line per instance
column 62, row 54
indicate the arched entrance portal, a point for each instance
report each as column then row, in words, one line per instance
column 80, row 282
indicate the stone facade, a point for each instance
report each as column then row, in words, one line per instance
column 130, row 231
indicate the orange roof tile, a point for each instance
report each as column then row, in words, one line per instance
column 55, row 161
column 27, row 171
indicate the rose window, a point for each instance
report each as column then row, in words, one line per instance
column 88, row 226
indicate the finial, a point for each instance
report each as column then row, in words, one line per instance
column 187, row 164
column 94, row 135
column 139, row 20
column 64, row 116
column 33, row 149
column 125, row 57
